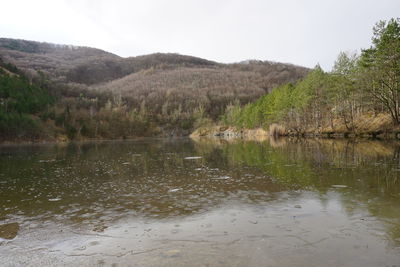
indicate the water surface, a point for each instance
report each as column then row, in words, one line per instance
column 201, row 203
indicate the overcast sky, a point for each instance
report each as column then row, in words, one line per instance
column 302, row 32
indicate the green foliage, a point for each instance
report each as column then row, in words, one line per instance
column 17, row 125
column 71, row 131
column 278, row 104
column 355, row 85
column 20, row 102
column 231, row 115
column 380, row 66
column 25, row 46
column 19, row 96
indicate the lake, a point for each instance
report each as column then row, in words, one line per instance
column 206, row 202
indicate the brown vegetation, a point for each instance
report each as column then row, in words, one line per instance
column 102, row 95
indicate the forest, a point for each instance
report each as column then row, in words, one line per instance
column 361, row 94
column 58, row 93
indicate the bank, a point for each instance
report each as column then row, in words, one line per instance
column 379, row 126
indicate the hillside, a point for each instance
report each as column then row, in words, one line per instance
column 160, row 93
column 213, row 88
column 85, row 65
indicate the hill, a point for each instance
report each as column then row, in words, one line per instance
column 167, row 93
column 85, row 65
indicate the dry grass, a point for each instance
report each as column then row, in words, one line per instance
column 365, row 123
column 276, row 130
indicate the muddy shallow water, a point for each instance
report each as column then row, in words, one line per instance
column 201, row 203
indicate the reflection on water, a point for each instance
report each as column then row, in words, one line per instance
column 107, row 187
column 82, row 183
column 9, row 230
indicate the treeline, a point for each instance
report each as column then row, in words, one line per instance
column 359, row 87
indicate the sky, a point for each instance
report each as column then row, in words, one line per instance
column 301, row 32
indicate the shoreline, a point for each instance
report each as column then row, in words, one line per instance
column 55, row 142
column 233, row 132
column 225, row 132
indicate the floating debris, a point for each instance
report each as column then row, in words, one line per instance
column 55, row 199
column 339, row 186
column 47, row 160
column 222, row 177
column 174, row 190
column 193, row 157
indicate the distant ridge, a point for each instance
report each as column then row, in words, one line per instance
column 86, row 65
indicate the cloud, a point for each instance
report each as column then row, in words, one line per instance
column 300, row 32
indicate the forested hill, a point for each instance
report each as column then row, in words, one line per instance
column 98, row 94
column 85, row 65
